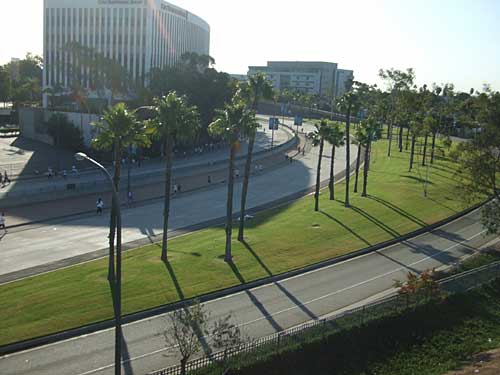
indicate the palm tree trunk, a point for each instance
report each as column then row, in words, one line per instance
column 318, row 175
column 400, row 138
column 433, row 147
column 407, row 139
column 412, row 152
column 112, row 220
column 366, row 167
column 229, row 214
column 347, row 155
column 166, row 209
column 357, row 169
column 244, row 190
column 425, row 149
column 389, row 136
column 331, row 183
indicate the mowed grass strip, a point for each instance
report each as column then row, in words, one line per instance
column 278, row 240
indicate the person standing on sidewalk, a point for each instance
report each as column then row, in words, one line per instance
column 2, row 222
column 6, row 179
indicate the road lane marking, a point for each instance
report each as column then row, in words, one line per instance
column 295, row 306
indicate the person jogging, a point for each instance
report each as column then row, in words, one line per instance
column 99, row 206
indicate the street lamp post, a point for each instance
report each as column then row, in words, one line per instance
column 80, row 156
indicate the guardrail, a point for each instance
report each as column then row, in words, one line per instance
column 388, row 306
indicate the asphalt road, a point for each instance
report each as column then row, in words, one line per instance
column 49, row 243
column 263, row 310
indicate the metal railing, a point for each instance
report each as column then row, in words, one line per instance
column 388, row 306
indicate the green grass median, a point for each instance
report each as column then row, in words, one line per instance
column 278, row 240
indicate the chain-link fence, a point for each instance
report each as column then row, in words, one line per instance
column 392, row 305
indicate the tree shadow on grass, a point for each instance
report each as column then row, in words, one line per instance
column 266, row 314
column 346, row 228
column 376, row 221
column 171, row 272
column 399, row 210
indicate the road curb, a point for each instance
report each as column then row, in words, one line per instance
column 90, row 328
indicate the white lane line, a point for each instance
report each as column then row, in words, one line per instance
column 302, row 304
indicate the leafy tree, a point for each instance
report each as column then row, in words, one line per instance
column 184, row 329
column 336, row 137
column 64, row 133
column 175, row 122
column 318, row 137
column 231, row 123
column 226, row 335
column 398, row 83
column 117, row 130
column 479, row 160
column 257, row 89
column 5, row 84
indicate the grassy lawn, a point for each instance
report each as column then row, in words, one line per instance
column 277, row 240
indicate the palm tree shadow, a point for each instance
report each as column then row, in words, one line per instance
column 280, row 286
column 409, row 268
column 126, row 362
column 398, row 210
column 376, row 221
column 171, row 272
column 266, row 314
column 346, row 228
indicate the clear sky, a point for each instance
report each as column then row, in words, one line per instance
column 454, row 41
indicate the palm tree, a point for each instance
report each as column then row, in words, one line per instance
column 230, row 124
column 370, row 131
column 175, row 122
column 118, row 129
column 318, row 139
column 336, row 138
column 257, row 88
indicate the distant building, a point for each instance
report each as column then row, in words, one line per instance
column 14, row 69
column 305, row 76
column 344, row 82
column 139, row 34
column 239, row 77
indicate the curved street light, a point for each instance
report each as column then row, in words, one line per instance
column 80, row 156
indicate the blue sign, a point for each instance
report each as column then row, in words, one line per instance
column 297, row 121
column 273, row 123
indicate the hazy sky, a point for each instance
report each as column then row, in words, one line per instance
column 454, row 41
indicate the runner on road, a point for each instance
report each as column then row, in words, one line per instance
column 99, row 205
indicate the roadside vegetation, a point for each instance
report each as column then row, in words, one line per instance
column 276, row 241
column 434, row 338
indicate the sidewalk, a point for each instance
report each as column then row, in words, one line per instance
column 85, row 204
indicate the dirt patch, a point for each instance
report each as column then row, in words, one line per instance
column 487, row 363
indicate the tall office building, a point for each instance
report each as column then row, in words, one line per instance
column 138, row 34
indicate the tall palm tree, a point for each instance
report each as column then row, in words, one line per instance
column 257, row 89
column 175, row 122
column 118, row 129
column 370, row 131
column 336, row 137
column 230, row 124
column 318, row 139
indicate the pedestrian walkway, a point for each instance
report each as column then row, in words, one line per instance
column 85, row 204
column 22, row 191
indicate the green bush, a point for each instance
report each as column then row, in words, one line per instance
column 64, row 133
